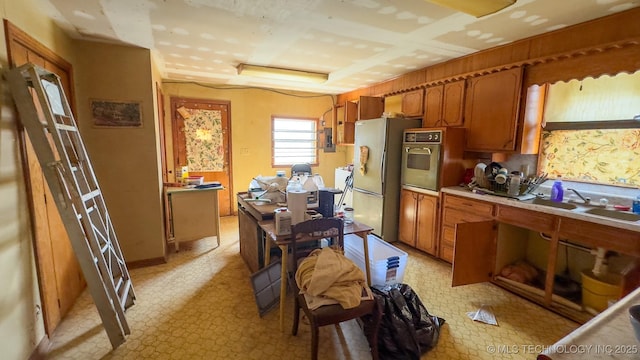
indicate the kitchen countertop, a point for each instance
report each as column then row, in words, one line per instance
column 607, row 336
column 577, row 214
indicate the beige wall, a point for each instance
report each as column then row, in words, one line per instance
column 21, row 322
column 251, row 111
column 125, row 160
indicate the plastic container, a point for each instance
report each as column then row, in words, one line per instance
column 514, row 184
column 597, row 291
column 636, row 205
column 387, row 263
column 557, row 193
column 312, row 196
column 283, row 221
column 294, row 185
column 317, row 179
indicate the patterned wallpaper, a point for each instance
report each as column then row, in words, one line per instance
column 203, row 130
column 596, row 156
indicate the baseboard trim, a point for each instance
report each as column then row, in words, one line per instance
column 146, row 262
column 40, row 352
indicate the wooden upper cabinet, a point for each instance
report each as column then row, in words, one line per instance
column 412, row 103
column 491, row 111
column 344, row 120
column 444, row 105
column 370, row 107
column 453, row 103
column 433, row 106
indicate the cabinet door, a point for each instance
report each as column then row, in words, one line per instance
column 491, row 111
column 407, row 223
column 350, row 118
column 426, row 225
column 370, row 107
column 344, row 120
column 453, row 103
column 474, row 253
column 433, row 106
column 412, row 103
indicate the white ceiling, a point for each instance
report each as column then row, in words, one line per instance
column 358, row 42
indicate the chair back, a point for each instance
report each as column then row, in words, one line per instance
column 301, row 169
column 306, row 236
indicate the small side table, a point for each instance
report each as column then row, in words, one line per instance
column 191, row 214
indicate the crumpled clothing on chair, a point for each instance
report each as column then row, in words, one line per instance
column 327, row 277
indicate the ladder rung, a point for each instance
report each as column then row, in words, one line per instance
column 118, row 284
column 90, row 209
column 66, row 127
column 91, row 195
column 125, row 295
column 105, row 248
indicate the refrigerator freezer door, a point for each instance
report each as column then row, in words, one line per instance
column 372, row 134
column 367, row 209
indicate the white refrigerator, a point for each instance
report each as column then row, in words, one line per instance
column 376, row 173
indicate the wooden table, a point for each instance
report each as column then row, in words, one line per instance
column 283, row 242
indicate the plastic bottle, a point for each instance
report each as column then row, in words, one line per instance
column 283, row 221
column 318, row 180
column 636, row 205
column 556, row 190
column 294, row 185
column 312, row 188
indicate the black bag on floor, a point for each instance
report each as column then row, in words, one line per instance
column 407, row 330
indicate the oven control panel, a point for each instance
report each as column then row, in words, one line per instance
column 423, row 137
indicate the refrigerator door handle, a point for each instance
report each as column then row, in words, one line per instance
column 366, row 192
column 384, row 162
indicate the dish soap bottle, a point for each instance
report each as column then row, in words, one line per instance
column 636, row 205
column 556, row 190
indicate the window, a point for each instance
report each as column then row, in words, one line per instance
column 294, row 141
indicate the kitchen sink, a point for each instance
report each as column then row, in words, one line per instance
column 544, row 202
column 620, row 215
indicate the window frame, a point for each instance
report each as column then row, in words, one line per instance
column 273, row 142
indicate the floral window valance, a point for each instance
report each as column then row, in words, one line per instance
column 609, row 156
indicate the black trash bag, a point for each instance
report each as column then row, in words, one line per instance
column 407, row 330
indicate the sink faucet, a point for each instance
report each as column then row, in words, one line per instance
column 585, row 199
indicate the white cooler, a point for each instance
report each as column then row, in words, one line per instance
column 386, row 262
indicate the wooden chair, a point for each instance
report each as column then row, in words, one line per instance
column 306, row 236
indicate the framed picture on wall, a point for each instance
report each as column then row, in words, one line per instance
column 108, row 113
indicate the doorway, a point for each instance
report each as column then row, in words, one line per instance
column 201, row 142
column 59, row 275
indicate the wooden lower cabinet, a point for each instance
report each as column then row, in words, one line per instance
column 418, row 219
column 486, row 237
column 249, row 240
column 456, row 210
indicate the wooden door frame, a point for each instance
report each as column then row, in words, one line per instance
column 175, row 101
column 14, row 35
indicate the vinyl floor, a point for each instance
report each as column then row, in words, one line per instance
column 200, row 305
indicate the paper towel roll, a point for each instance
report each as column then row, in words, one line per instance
column 297, row 204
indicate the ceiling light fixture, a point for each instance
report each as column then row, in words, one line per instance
column 477, row 8
column 281, row 74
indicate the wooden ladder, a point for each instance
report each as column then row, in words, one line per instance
column 47, row 118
